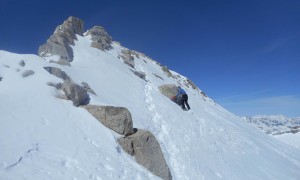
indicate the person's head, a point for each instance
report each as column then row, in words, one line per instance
column 178, row 87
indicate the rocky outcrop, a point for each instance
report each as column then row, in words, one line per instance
column 147, row 152
column 27, row 73
column 169, row 90
column 100, row 38
column 87, row 87
column 72, row 91
column 128, row 58
column 63, row 36
column 77, row 94
column 140, row 74
column 116, row 118
column 189, row 83
column 167, row 71
column 58, row 73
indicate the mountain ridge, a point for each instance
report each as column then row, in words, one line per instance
column 48, row 138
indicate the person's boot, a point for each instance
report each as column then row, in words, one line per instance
column 188, row 106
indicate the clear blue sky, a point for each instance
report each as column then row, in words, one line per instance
column 243, row 54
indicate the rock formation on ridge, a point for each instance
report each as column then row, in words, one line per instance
column 100, row 38
column 60, row 42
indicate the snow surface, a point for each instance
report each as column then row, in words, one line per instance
column 43, row 137
column 289, row 138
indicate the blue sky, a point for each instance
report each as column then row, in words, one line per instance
column 243, row 54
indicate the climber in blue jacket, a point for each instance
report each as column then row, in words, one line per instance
column 184, row 98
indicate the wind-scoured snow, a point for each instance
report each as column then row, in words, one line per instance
column 44, row 137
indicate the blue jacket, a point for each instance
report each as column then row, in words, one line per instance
column 180, row 92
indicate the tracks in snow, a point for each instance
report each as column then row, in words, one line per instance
column 26, row 154
column 156, row 117
column 162, row 131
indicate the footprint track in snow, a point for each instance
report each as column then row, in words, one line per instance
column 161, row 130
column 156, row 117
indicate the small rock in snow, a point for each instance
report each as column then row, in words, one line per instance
column 22, row 63
column 27, row 73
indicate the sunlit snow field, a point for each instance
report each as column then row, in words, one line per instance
column 44, row 137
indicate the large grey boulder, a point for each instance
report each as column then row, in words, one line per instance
column 116, row 118
column 101, row 39
column 58, row 73
column 77, row 94
column 63, row 36
column 168, row 90
column 147, row 152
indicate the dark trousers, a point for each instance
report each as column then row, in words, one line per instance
column 184, row 101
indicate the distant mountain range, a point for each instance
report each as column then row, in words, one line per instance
column 275, row 124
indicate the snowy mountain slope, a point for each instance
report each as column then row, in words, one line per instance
column 43, row 137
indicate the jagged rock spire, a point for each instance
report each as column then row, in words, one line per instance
column 63, row 36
